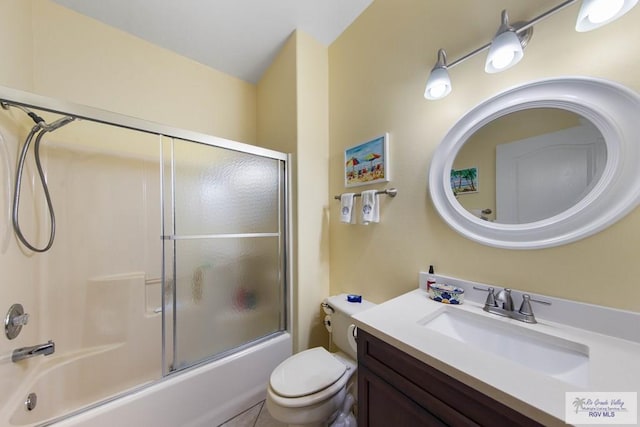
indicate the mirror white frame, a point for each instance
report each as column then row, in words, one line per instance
column 611, row 107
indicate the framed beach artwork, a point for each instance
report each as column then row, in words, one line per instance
column 367, row 163
column 464, row 181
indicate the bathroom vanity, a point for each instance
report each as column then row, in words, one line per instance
column 395, row 389
column 421, row 362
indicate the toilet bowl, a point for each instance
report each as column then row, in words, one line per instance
column 316, row 387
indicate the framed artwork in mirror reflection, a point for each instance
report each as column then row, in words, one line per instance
column 367, row 162
column 464, row 181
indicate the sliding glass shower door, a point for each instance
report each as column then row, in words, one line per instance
column 224, row 234
column 168, row 252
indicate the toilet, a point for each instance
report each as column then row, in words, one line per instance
column 316, row 387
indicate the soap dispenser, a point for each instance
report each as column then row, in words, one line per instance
column 430, row 278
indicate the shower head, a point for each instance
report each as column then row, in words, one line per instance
column 57, row 124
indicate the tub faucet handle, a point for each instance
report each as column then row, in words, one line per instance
column 15, row 319
column 20, row 320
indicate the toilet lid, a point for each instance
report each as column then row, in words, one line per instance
column 306, row 372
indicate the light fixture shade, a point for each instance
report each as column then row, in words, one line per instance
column 505, row 52
column 596, row 13
column 438, row 84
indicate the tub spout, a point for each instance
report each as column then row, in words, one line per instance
column 36, row 350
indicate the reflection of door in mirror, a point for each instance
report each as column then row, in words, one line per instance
column 576, row 167
column 543, row 176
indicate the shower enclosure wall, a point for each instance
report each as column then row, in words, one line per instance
column 170, row 254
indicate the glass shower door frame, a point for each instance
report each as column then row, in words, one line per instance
column 173, row 240
column 82, row 112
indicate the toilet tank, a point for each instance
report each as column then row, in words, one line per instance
column 341, row 320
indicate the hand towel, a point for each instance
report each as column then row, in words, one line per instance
column 370, row 207
column 346, row 208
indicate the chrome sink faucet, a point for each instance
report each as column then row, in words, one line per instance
column 502, row 305
column 503, row 300
column 36, row 350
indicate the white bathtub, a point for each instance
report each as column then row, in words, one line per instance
column 203, row 396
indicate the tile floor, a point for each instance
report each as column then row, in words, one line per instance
column 256, row 416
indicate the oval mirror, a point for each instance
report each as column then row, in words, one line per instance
column 540, row 165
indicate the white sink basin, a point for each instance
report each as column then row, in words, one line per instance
column 562, row 359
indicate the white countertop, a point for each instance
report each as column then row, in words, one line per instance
column 614, row 363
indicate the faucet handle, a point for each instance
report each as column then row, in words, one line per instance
column 15, row 319
column 526, row 310
column 491, row 298
column 525, row 307
column 20, row 320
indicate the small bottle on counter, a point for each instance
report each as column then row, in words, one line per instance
column 430, row 278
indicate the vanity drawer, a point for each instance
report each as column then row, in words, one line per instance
column 386, row 370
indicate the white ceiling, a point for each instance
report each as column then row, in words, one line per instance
column 237, row 37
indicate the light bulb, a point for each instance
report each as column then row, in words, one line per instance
column 596, row 13
column 502, row 58
column 604, row 10
column 505, row 52
column 438, row 84
column 437, row 90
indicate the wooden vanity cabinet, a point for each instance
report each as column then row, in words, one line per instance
column 397, row 390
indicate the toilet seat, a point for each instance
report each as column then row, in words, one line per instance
column 315, row 387
column 332, row 391
column 306, row 373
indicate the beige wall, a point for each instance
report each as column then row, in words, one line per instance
column 52, row 51
column 277, row 101
column 293, row 117
column 16, row 56
column 278, row 130
column 313, row 185
column 378, row 68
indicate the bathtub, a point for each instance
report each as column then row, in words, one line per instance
column 206, row 395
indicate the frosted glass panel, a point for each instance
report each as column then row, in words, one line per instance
column 223, row 191
column 228, row 293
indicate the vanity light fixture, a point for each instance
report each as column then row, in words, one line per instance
column 596, row 13
column 506, row 48
column 439, row 83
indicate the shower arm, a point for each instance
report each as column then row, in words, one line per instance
column 39, row 121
